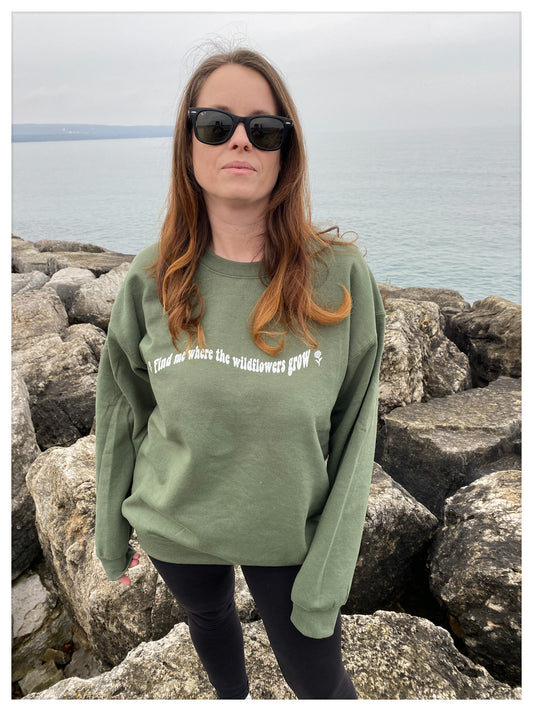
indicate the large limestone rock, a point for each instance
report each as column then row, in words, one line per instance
column 26, row 258
column 99, row 263
column 397, row 656
column 29, row 281
column 39, row 622
column 491, row 335
column 418, row 362
column 450, row 302
column 41, row 677
column 114, row 618
column 167, row 668
column 388, row 655
column 67, row 283
column 24, row 450
column 34, row 315
column 60, row 374
column 49, row 256
column 59, row 245
column 58, row 363
column 476, row 570
column 435, row 448
column 397, row 532
column 94, row 300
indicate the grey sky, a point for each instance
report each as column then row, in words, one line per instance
column 368, row 70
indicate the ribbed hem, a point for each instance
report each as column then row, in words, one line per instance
column 170, row 551
column 314, row 623
column 246, row 270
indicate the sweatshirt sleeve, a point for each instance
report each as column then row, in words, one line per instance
column 323, row 583
column 124, row 401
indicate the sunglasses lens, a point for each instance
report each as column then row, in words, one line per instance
column 213, row 126
column 266, row 132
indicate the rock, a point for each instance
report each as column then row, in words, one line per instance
column 397, row 656
column 29, row 281
column 114, row 618
column 61, row 375
column 36, row 314
column 24, row 449
column 67, row 283
column 388, row 655
column 491, row 335
column 94, row 300
column 396, row 536
column 26, row 258
column 243, row 599
column 164, row 669
column 29, row 607
column 49, row 256
column 39, row 622
column 435, row 448
column 82, row 665
column 58, row 245
column 418, row 362
column 99, row 263
column 476, row 570
column 41, row 677
column 57, row 656
column 450, row 302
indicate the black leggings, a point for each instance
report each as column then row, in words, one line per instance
column 313, row 668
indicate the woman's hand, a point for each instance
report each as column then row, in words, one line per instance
column 124, row 579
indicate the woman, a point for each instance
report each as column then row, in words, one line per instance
column 237, row 392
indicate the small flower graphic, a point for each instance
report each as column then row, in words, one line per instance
column 318, row 357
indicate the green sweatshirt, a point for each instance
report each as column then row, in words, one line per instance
column 226, row 455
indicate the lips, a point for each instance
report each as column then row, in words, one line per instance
column 238, row 166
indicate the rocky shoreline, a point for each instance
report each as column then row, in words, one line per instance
column 434, row 610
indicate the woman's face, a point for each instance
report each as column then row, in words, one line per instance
column 236, row 172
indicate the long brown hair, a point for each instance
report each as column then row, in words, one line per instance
column 291, row 245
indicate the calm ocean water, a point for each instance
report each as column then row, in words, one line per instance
column 431, row 208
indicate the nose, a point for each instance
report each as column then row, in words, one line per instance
column 240, row 137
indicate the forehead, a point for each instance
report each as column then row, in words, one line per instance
column 238, row 89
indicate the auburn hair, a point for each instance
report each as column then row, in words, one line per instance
column 291, row 245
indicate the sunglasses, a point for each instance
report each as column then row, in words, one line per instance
column 213, row 126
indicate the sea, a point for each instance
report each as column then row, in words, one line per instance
column 435, row 208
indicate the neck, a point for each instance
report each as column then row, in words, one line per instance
column 238, row 233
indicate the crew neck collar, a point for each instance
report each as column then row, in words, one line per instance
column 230, row 268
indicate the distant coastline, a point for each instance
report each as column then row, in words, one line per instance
column 26, row 132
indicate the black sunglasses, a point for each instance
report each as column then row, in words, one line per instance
column 213, row 126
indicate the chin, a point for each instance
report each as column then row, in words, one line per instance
column 242, row 196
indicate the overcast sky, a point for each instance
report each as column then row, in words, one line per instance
column 365, row 70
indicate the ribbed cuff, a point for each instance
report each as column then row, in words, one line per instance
column 115, row 567
column 314, row 623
